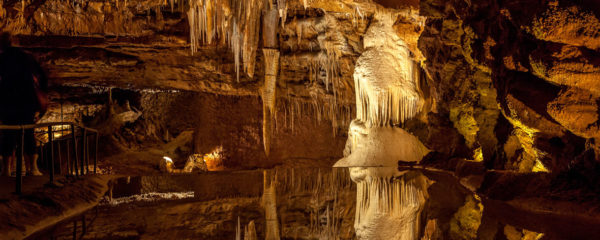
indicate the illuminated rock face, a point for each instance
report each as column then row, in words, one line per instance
column 389, row 202
column 385, row 78
column 380, row 147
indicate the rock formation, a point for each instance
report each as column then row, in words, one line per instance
column 388, row 204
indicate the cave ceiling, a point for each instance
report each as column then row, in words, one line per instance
column 145, row 45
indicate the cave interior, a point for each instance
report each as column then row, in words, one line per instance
column 302, row 119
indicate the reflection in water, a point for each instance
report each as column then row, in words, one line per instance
column 334, row 203
column 269, row 202
column 388, row 203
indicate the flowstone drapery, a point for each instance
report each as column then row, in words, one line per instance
column 389, row 202
column 386, row 77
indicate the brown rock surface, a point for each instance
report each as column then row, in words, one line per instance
column 531, row 51
column 577, row 110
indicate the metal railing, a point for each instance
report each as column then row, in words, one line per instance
column 77, row 167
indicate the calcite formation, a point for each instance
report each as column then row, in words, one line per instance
column 385, row 77
column 269, row 94
column 380, row 146
column 388, row 203
column 235, row 21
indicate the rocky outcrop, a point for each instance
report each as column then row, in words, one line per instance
column 533, row 63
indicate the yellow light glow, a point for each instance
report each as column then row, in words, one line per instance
column 478, row 155
column 539, row 167
column 526, row 136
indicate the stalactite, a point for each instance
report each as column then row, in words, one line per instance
column 357, row 14
column 322, row 109
column 384, row 107
column 269, row 31
column 269, row 94
column 172, row 4
column 252, row 25
column 282, row 8
column 235, row 43
column 234, row 20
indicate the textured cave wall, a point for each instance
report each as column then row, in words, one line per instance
column 512, row 83
column 142, row 47
column 516, row 78
column 235, row 124
column 181, row 123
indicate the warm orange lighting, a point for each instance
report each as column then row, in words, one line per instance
column 57, row 132
column 167, row 165
column 214, row 160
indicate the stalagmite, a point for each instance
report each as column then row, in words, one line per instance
column 380, row 147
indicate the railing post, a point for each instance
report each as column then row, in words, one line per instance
column 87, row 154
column 59, row 158
column 76, row 158
column 83, row 226
column 20, row 152
column 69, row 169
column 83, row 135
column 96, row 154
column 74, row 229
column 51, row 157
column 41, row 159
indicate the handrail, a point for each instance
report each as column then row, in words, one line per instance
column 72, row 165
column 41, row 125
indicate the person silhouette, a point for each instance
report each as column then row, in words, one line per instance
column 23, row 100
